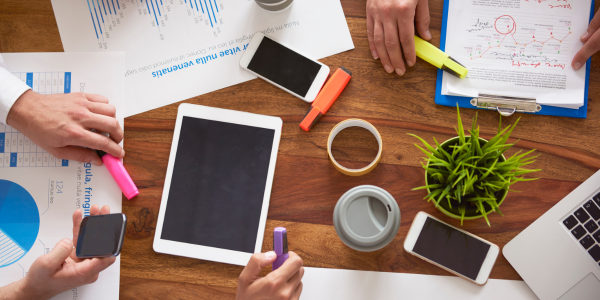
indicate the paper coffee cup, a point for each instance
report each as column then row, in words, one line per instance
column 366, row 218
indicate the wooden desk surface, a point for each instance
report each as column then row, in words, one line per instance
column 306, row 186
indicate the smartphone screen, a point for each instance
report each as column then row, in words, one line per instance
column 451, row 248
column 101, row 236
column 284, row 67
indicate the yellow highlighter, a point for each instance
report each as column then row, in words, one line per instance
column 438, row 58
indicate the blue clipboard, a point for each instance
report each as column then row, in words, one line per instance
column 465, row 101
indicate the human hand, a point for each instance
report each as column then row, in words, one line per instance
column 282, row 284
column 391, row 30
column 61, row 124
column 591, row 38
column 61, row 270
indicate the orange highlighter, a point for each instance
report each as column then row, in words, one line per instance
column 332, row 89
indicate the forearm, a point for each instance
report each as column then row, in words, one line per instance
column 18, row 291
column 11, row 88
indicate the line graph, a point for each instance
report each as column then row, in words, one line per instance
column 519, row 40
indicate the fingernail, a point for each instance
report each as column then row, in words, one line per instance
column 270, row 255
column 68, row 241
column 122, row 152
column 388, row 69
column 375, row 56
column 576, row 66
column 96, row 162
column 427, row 35
column 399, row 72
column 585, row 34
column 410, row 63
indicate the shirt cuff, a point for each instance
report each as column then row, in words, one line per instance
column 11, row 88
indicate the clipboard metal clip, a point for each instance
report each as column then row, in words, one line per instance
column 506, row 106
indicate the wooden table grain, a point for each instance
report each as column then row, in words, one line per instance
column 306, row 186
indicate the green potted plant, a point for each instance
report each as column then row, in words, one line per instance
column 468, row 177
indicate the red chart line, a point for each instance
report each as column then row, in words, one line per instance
column 517, row 43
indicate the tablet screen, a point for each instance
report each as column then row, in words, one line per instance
column 218, row 184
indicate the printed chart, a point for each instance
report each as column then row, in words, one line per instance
column 178, row 49
column 19, row 222
column 519, row 41
column 108, row 15
column 112, row 20
column 38, row 195
column 16, row 150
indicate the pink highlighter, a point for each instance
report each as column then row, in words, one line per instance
column 117, row 170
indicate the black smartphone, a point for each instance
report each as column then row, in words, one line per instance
column 101, row 236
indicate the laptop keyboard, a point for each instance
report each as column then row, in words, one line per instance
column 584, row 225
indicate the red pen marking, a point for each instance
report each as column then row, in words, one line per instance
column 510, row 30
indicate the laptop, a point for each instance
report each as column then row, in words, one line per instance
column 558, row 255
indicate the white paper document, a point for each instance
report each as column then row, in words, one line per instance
column 328, row 284
column 39, row 193
column 518, row 48
column 178, row 49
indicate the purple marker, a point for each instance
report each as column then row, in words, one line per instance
column 280, row 247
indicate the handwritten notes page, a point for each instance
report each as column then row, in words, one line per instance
column 518, row 48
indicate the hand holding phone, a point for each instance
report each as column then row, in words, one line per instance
column 60, row 269
column 283, row 67
column 450, row 248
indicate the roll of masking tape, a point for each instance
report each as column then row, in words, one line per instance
column 354, row 123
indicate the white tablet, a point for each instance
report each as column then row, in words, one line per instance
column 218, row 184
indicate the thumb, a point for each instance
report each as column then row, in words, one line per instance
column 79, row 154
column 257, row 262
column 59, row 254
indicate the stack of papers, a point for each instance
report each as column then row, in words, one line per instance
column 518, row 49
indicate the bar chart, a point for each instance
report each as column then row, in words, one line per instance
column 210, row 14
column 16, row 150
column 107, row 15
column 105, row 20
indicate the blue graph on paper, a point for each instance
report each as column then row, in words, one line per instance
column 106, row 15
column 19, row 222
column 213, row 19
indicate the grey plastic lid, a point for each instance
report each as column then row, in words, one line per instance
column 270, row 1
column 275, row 5
column 366, row 218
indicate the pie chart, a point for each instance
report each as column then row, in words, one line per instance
column 19, row 222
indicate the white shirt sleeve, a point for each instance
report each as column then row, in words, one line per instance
column 11, row 88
